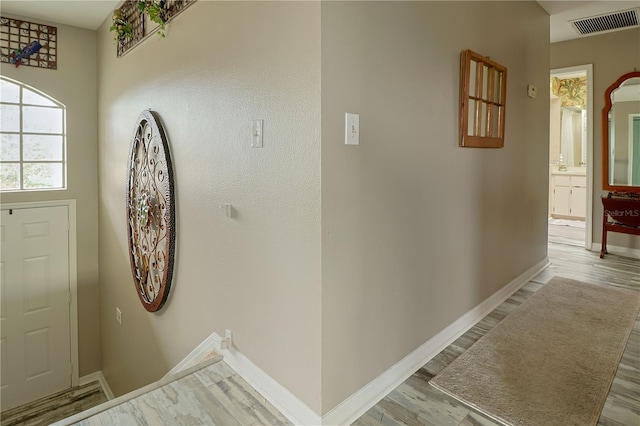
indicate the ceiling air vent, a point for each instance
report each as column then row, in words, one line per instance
column 608, row 22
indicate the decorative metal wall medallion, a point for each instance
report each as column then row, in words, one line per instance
column 150, row 212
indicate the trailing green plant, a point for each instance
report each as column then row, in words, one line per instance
column 156, row 12
column 121, row 27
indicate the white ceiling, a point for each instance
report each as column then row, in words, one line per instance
column 91, row 13
column 87, row 14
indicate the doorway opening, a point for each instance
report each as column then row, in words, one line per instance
column 571, row 156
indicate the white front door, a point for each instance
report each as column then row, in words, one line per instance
column 35, row 341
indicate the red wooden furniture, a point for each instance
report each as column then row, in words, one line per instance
column 621, row 214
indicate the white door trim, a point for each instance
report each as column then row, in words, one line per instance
column 588, row 68
column 73, row 272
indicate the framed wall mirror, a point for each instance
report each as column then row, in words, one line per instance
column 621, row 135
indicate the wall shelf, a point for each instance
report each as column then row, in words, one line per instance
column 142, row 27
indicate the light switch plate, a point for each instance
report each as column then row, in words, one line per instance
column 532, row 91
column 351, row 129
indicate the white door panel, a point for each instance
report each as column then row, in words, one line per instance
column 35, row 332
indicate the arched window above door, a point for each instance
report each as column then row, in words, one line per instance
column 33, row 154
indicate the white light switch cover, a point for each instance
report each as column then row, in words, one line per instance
column 351, row 129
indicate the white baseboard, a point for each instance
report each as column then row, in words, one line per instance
column 280, row 397
column 208, row 345
column 360, row 402
column 357, row 404
column 100, row 378
column 620, row 251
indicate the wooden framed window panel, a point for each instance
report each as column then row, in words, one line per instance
column 483, row 95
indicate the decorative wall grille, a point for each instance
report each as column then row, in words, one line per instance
column 131, row 13
column 16, row 34
column 142, row 28
column 175, row 7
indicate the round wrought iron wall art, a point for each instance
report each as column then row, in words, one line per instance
column 150, row 212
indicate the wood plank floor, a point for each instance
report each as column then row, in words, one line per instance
column 212, row 395
column 415, row 402
column 217, row 395
column 55, row 407
column 564, row 234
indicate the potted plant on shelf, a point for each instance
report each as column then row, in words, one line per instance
column 121, row 27
column 156, row 11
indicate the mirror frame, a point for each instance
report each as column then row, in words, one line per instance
column 605, row 137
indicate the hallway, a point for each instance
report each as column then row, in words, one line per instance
column 415, row 402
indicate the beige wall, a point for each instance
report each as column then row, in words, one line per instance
column 221, row 65
column 74, row 84
column 417, row 231
column 612, row 55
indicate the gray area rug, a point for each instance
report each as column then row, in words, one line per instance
column 549, row 362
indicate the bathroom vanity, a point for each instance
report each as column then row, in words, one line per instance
column 569, row 194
